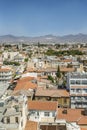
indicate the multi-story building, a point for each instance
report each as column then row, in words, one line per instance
column 13, row 113
column 5, row 75
column 45, row 115
column 77, row 85
column 59, row 95
column 42, row 111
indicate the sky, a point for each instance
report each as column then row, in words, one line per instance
column 43, row 17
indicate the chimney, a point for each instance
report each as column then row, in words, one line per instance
column 64, row 111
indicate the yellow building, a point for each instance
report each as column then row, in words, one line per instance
column 60, row 95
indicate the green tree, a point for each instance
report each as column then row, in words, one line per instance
column 38, row 44
column 26, row 59
column 50, row 78
column 58, row 73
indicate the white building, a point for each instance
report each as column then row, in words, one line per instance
column 45, row 113
column 13, row 113
column 5, row 75
column 9, row 55
column 77, row 85
column 42, row 111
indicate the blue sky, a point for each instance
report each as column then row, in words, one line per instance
column 42, row 17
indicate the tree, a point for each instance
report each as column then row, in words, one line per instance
column 38, row 44
column 26, row 59
column 58, row 74
column 30, row 54
column 50, row 78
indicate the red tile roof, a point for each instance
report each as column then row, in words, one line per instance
column 62, row 69
column 73, row 115
column 25, row 86
column 52, row 92
column 83, row 128
column 42, row 105
column 31, row 125
column 24, row 79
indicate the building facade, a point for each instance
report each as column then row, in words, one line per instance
column 13, row 113
column 77, row 85
column 5, row 75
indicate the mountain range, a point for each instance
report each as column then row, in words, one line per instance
column 78, row 38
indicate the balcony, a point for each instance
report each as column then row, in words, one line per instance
column 84, row 100
column 47, row 119
column 78, row 100
column 73, row 101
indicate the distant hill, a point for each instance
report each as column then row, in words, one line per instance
column 45, row 39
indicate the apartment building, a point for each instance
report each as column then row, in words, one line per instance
column 44, row 115
column 5, row 75
column 77, row 85
column 42, row 111
column 13, row 113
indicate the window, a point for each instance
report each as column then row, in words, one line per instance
column 85, row 90
column 84, row 82
column 72, row 90
column 8, row 120
column 78, row 90
column 77, row 81
column 38, row 113
column 84, row 98
column 16, row 119
column 53, row 114
column 46, row 113
column 65, row 100
column 79, row 98
column 72, row 82
column 72, row 98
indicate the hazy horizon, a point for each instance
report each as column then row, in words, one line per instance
column 43, row 17
column 44, row 35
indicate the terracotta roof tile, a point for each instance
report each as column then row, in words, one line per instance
column 83, row 128
column 31, row 125
column 62, row 69
column 42, row 105
column 24, row 79
column 67, row 60
column 52, row 92
column 25, row 86
column 73, row 115
column 83, row 120
column 25, row 83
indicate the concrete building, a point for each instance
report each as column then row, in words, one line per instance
column 13, row 113
column 44, row 115
column 77, row 85
column 42, row 111
column 5, row 75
